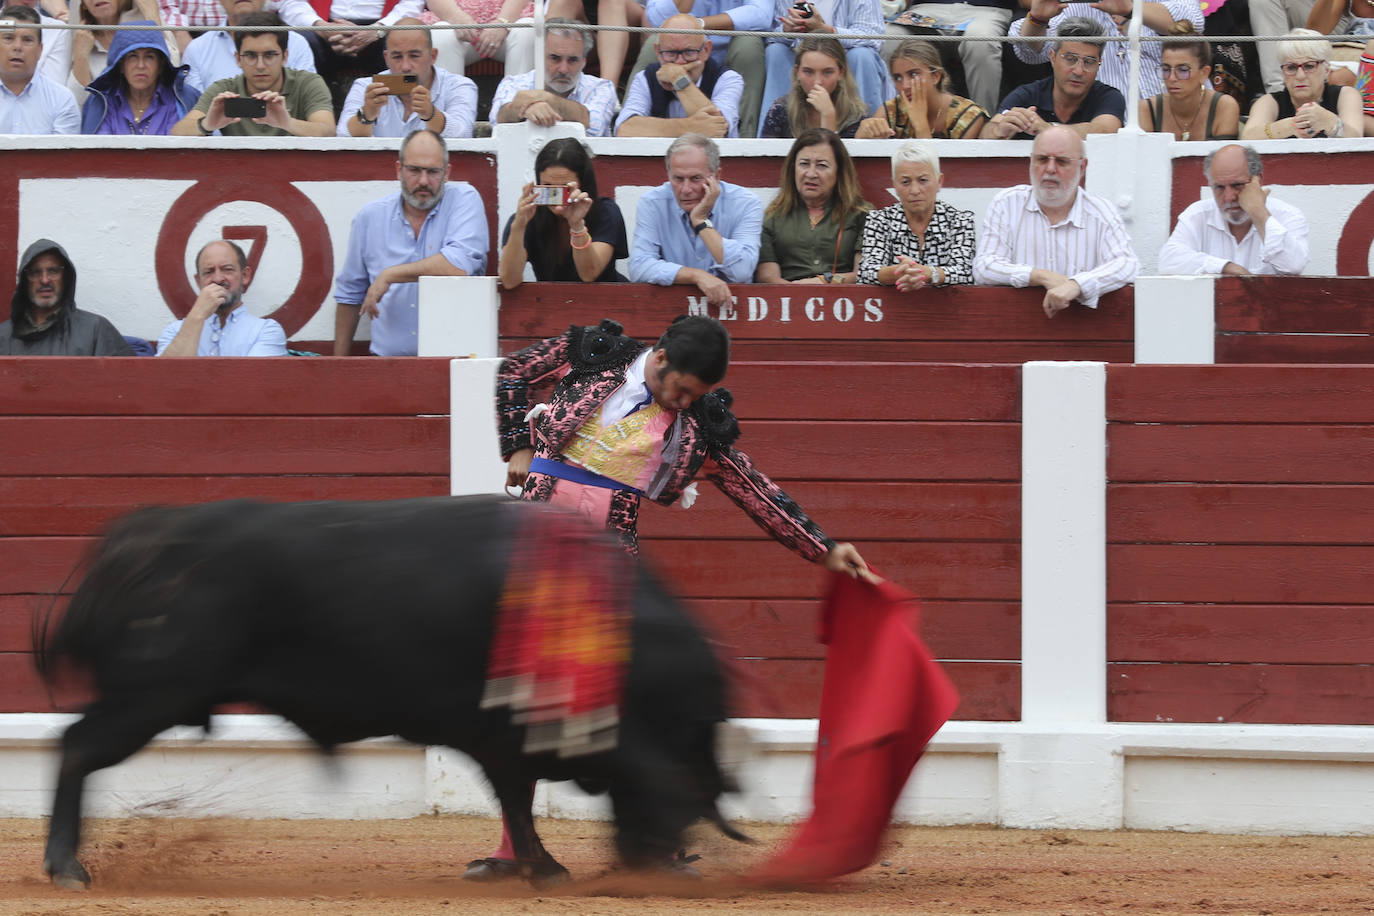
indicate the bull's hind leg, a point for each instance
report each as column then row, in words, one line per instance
column 531, row 858
column 100, row 738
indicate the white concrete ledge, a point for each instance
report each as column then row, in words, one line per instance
column 1274, row 779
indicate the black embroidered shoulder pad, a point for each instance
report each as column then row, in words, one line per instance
column 602, row 347
column 713, row 415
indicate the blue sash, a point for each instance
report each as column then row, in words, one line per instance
column 576, row 474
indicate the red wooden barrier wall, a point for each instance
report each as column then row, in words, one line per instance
column 918, row 464
column 1241, row 557
column 1294, row 320
column 805, row 322
column 83, row 440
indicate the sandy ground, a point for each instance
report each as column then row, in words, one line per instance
column 220, row 866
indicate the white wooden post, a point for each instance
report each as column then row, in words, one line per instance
column 1175, row 320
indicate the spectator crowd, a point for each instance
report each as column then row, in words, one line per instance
column 381, row 74
column 390, row 67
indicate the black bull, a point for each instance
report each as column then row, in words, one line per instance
column 355, row 620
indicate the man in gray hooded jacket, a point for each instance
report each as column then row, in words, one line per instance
column 44, row 319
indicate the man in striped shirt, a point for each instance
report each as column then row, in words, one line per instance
column 1054, row 234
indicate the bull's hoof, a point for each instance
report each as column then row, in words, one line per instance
column 547, row 875
column 542, row 875
column 491, row 870
column 681, row 865
column 72, row 876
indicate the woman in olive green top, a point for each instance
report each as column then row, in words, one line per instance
column 811, row 230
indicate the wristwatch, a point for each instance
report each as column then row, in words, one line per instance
column 381, row 35
column 828, row 277
column 681, row 83
column 200, row 125
column 365, row 120
column 704, row 224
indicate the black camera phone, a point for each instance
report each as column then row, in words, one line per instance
column 242, row 107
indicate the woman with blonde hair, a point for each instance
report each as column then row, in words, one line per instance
column 811, row 229
column 823, row 93
column 1308, row 105
column 923, row 106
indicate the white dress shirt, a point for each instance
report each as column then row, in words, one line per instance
column 41, row 107
column 1202, row 242
column 454, row 95
column 1090, row 246
column 591, row 92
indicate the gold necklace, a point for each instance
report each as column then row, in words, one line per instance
column 1188, row 129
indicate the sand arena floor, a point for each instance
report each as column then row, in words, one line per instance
column 221, row 866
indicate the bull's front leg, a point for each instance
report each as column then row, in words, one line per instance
column 64, row 830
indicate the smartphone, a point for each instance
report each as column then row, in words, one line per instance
column 245, row 108
column 551, row 195
column 804, row 9
column 398, row 83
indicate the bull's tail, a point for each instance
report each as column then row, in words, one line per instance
column 117, row 567
column 43, row 635
column 725, row 827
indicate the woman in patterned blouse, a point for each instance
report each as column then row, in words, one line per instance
column 923, row 107
column 918, row 241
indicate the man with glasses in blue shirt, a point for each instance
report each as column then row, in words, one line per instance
column 429, row 229
column 1071, row 95
column 687, row 91
column 218, row 324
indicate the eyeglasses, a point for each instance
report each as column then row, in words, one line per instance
column 37, row 273
column 684, row 55
column 415, row 171
column 267, row 57
column 1061, row 162
column 1307, row 66
column 1182, row 71
column 1073, row 60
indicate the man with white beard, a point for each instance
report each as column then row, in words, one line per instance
column 1054, row 234
column 429, row 229
column 1241, row 230
column 568, row 93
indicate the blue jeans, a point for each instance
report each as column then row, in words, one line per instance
column 870, row 73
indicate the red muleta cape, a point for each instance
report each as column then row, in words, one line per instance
column 883, row 699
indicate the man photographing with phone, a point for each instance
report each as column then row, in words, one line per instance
column 267, row 99
column 411, row 94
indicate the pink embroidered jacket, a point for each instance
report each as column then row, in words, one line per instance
column 590, row 365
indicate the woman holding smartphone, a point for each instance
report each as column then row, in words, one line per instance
column 577, row 239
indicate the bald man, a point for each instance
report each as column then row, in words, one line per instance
column 686, row 92
column 1054, row 234
column 1241, row 230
